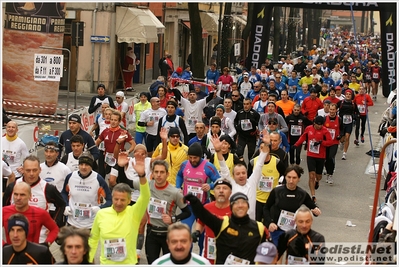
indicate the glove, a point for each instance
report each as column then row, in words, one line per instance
column 190, row 197
column 300, row 247
column 317, row 143
column 195, row 236
column 68, row 211
column 95, row 209
column 339, row 137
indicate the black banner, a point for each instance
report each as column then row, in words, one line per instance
column 260, row 33
column 370, row 6
column 388, row 46
column 35, row 17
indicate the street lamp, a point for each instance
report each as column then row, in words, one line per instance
column 69, row 78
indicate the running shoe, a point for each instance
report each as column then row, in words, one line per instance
column 316, row 185
column 330, row 180
column 314, row 199
column 343, row 156
column 362, row 139
column 341, row 146
column 356, row 142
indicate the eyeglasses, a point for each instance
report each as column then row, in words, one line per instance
column 118, row 97
column 272, row 123
column 157, row 101
column 175, row 136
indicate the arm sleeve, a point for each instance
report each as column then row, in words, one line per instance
column 111, row 102
column 285, row 142
column 183, row 128
column 206, row 217
column 185, row 213
column 91, row 145
column 65, row 190
column 179, row 176
column 268, row 219
column 158, row 138
column 301, row 139
column 212, row 173
column 93, row 108
column 142, row 202
column 53, row 196
column 283, row 124
column 104, row 191
column 49, row 223
column 233, row 132
column 94, row 237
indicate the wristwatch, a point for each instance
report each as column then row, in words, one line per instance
column 174, row 219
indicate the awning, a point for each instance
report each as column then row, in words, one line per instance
column 241, row 19
column 187, row 24
column 210, row 22
column 134, row 25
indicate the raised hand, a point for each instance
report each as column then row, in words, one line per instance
column 123, row 159
column 139, row 167
column 265, row 136
column 163, row 133
column 216, row 142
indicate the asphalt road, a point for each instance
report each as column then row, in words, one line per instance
column 351, row 196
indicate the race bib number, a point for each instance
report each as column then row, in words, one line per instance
column 115, row 249
column 313, row 148
column 233, row 260
column 286, row 220
column 246, row 124
column 211, row 81
column 9, row 156
column 332, row 132
column 192, row 121
column 154, row 118
column 225, row 87
column 296, row 130
column 82, row 210
column 109, row 159
column 196, row 191
column 156, row 208
column 368, row 77
column 291, row 90
column 211, row 248
column 347, row 119
column 361, row 108
column 101, row 146
column 265, row 183
column 376, row 76
column 294, row 260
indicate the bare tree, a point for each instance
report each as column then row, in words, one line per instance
column 196, row 41
column 277, row 32
column 292, row 23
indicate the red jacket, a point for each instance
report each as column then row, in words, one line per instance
column 313, row 135
column 333, row 126
column 362, row 102
column 310, row 107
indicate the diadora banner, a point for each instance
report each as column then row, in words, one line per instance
column 262, row 18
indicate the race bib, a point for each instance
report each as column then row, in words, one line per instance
column 291, row 90
column 225, row 87
column 286, row 220
column 296, row 130
column 347, row 119
column 101, row 146
column 294, row 260
column 375, row 75
column 246, row 124
column 265, row 183
column 211, row 248
column 109, row 159
column 154, row 118
column 82, row 210
column 233, row 260
column 192, row 121
column 361, row 108
column 115, row 249
column 332, row 132
column 156, row 208
column 195, row 190
column 9, row 156
column 368, row 77
column 313, row 148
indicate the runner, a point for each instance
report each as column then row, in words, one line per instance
column 318, row 138
column 295, row 122
column 362, row 101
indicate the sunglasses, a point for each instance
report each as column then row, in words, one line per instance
column 272, row 123
column 235, row 95
column 157, row 101
column 175, row 136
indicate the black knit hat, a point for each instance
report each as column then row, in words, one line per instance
column 87, row 158
column 238, row 196
column 195, row 150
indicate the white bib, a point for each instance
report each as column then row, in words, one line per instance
column 233, row 260
column 195, row 190
column 115, row 249
column 286, row 220
column 156, row 208
column 82, row 210
column 246, row 124
column 265, row 183
column 361, row 108
column 347, row 119
column 211, row 248
column 296, row 130
column 313, row 148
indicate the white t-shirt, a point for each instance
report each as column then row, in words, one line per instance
column 14, row 153
column 231, row 115
column 192, row 113
column 55, row 174
column 153, row 115
column 195, row 260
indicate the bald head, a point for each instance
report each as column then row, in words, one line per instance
column 21, row 195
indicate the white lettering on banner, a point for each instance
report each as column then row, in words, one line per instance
column 391, row 58
column 256, row 48
column 346, row 3
column 89, row 119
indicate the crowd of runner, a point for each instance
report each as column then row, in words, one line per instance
column 218, row 166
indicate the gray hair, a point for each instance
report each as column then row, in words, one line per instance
column 122, row 188
column 303, row 208
column 178, row 226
